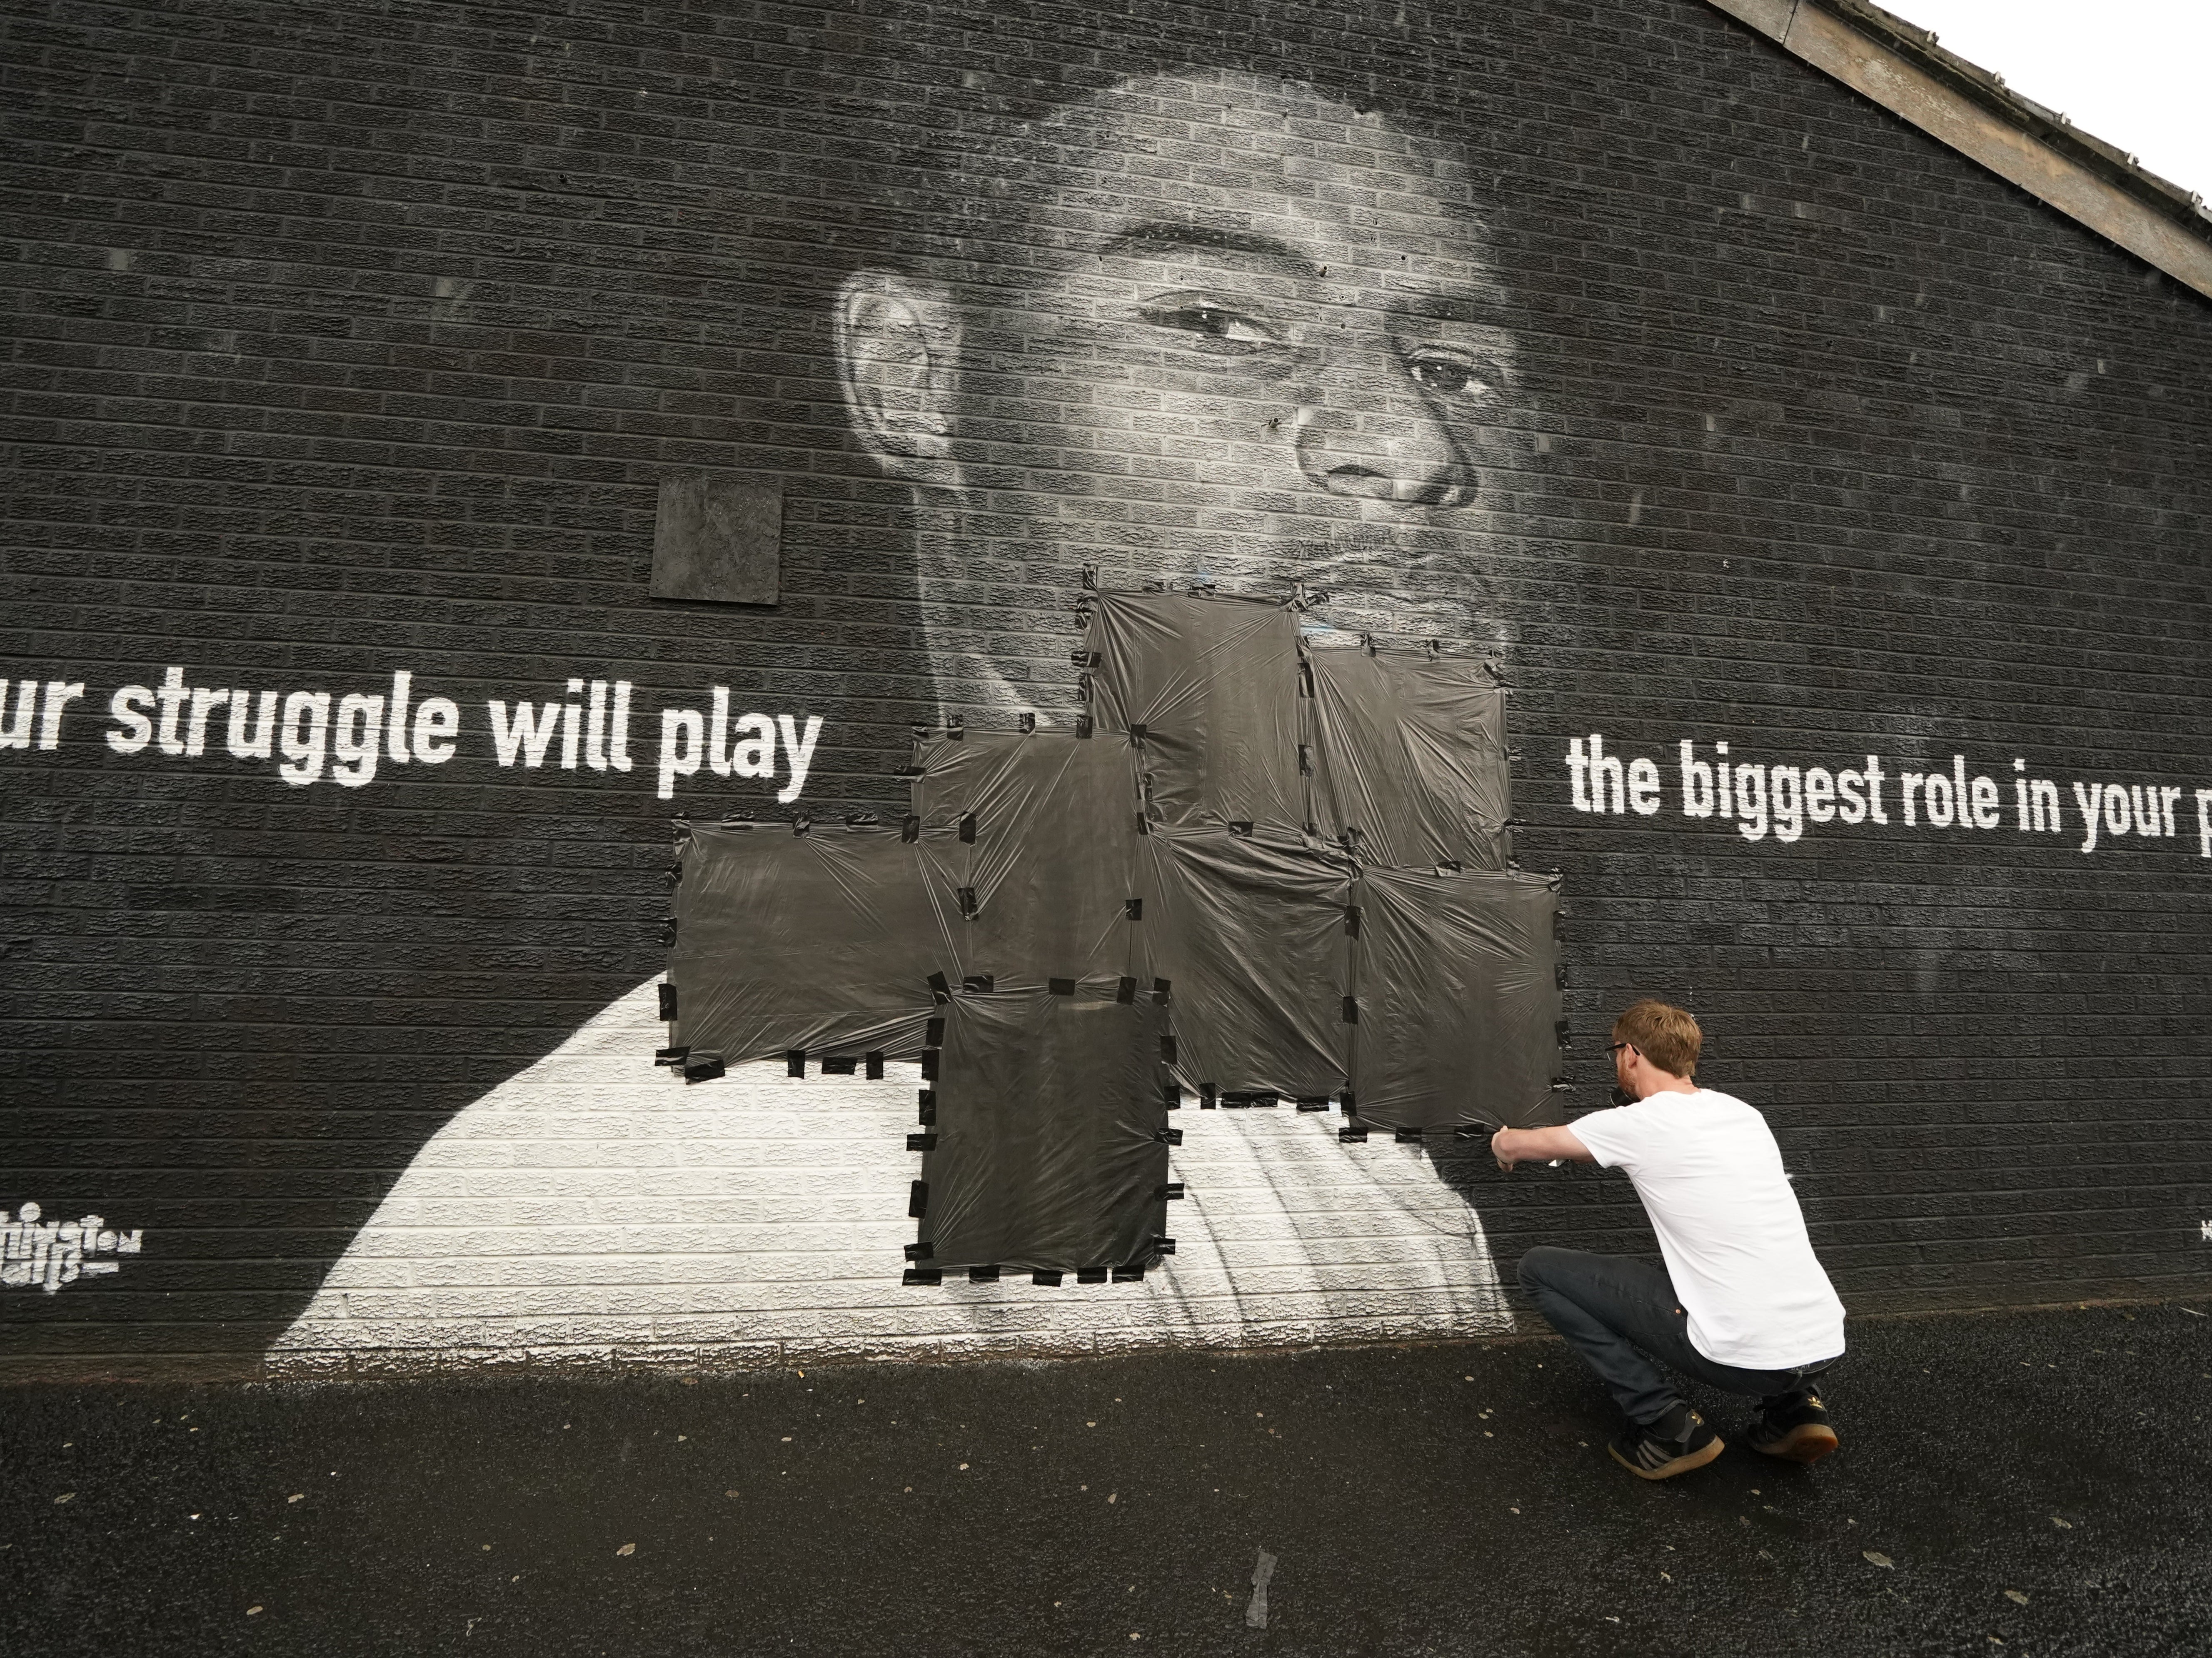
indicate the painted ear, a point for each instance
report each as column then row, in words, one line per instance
column 898, row 346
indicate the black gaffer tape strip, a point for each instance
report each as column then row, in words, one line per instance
column 1091, row 1275
column 1205, row 1096
column 1560, row 1030
column 1060, row 987
column 1346, row 1101
column 1164, row 1246
column 968, row 828
column 940, row 987
column 980, row 984
column 933, row 1034
column 1137, row 731
column 917, row 1199
column 1240, row 826
column 921, row 1142
column 1167, row 1050
column 1235, row 1101
column 1168, row 1136
column 669, row 1055
column 1129, row 1275
column 982, row 1275
column 1170, row 1192
column 1305, row 760
column 1084, row 726
column 667, row 1001
column 929, row 1063
column 1266, row 1101
column 1357, row 1136
column 920, row 1251
column 928, row 1107
column 1050, row 1280
column 702, row 1067
column 1171, row 1098
column 923, row 1275
column 968, row 904
column 1351, row 920
column 1408, row 1136
column 1133, row 908
column 841, row 1067
column 1352, row 1009
column 794, row 1062
column 1126, row 991
column 668, row 932
column 1028, row 722
column 874, row 1062
column 1313, row 1101
column 910, row 828
column 1160, row 993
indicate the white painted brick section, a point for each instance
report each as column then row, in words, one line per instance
column 594, row 1209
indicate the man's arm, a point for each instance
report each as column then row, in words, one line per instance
column 1512, row 1145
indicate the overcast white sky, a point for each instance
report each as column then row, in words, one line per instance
column 2136, row 73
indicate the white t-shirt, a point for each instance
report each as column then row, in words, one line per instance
column 1709, row 1173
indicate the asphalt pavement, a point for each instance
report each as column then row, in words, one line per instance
column 2016, row 1483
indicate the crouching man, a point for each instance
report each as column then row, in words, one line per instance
column 1742, row 1305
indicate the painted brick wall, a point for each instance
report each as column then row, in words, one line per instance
column 358, row 339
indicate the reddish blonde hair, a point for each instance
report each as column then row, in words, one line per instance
column 1665, row 1035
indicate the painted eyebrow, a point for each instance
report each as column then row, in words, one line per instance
column 1162, row 237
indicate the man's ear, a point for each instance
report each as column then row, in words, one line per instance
column 898, row 349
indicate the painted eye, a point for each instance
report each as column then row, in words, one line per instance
column 1445, row 371
column 1215, row 327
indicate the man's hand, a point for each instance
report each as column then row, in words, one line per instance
column 1512, row 1145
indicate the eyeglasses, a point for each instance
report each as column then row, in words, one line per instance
column 1617, row 1046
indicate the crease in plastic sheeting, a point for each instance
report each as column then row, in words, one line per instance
column 1459, row 999
column 1051, row 865
column 1249, row 930
column 1212, row 683
column 1409, row 749
column 817, row 942
column 947, row 773
column 1048, row 1155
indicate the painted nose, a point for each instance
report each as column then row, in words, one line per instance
column 1373, row 435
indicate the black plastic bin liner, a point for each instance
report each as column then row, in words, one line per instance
column 1212, row 684
column 1409, row 749
column 1049, row 1156
column 1036, row 856
column 1459, row 1003
column 823, row 941
column 1251, row 933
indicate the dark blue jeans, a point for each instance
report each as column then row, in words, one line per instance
column 1620, row 1315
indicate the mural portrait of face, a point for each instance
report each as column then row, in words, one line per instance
column 1195, row 328
column 1199, row 328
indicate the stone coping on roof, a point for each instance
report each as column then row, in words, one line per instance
column 1899, row 66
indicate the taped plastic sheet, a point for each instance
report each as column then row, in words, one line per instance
column 1457, row 978
column 1408, row 751
column 813, row 942
column 1049, row 1153
column 1250, row 933
column 1207, row 690
column 1030, row 840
